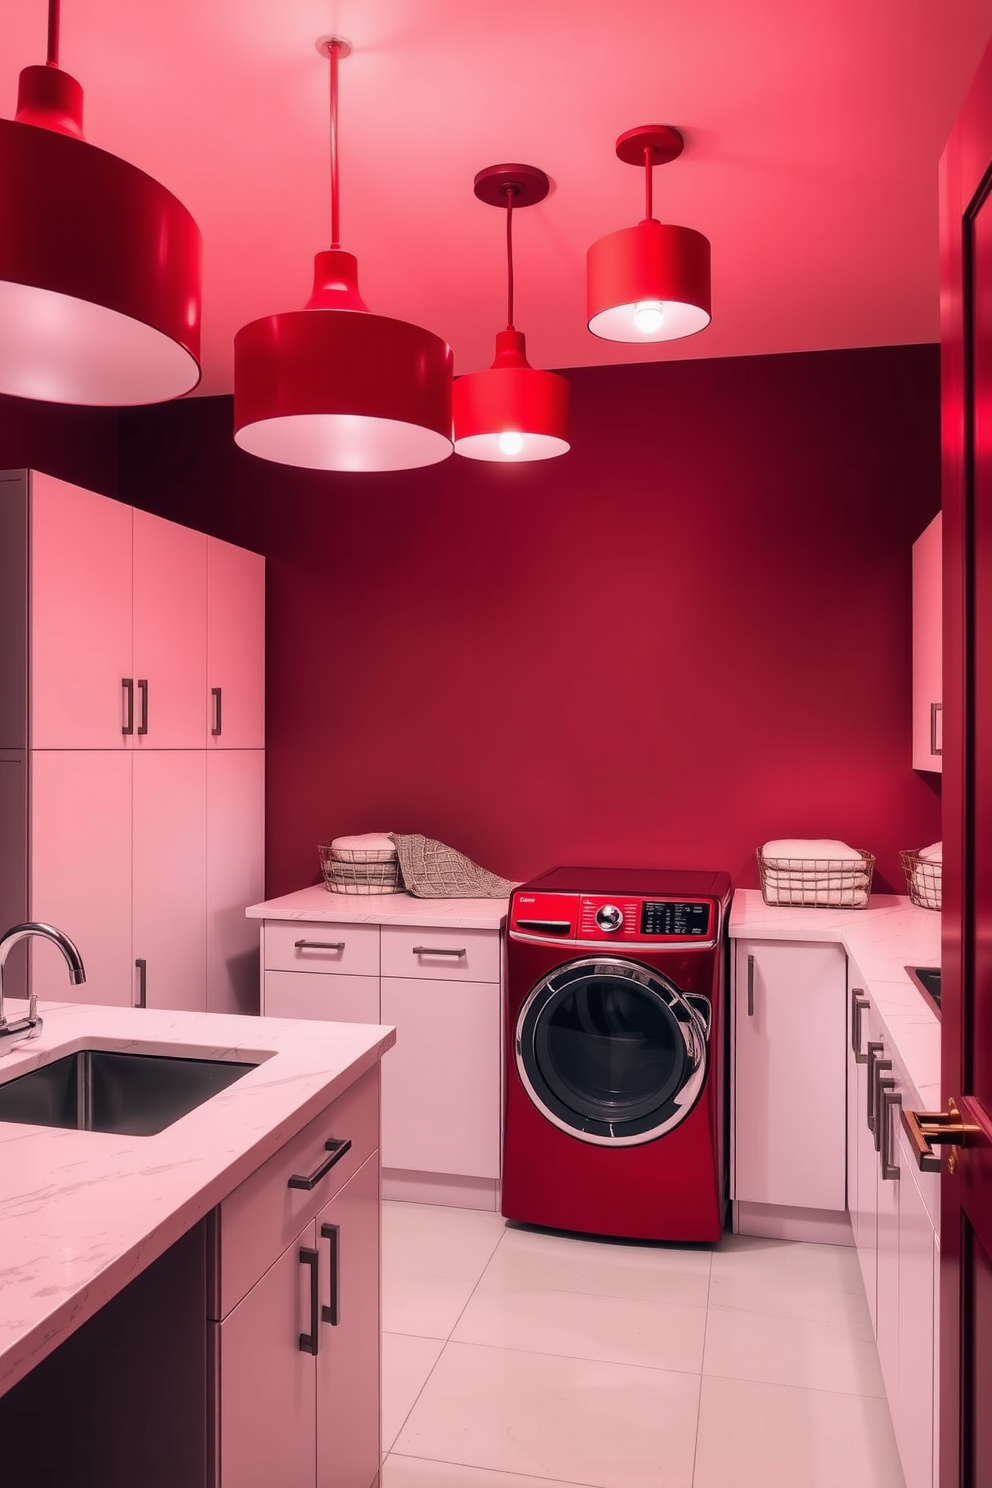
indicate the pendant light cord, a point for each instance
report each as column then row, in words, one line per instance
column 509, row 192
column 648, row 182
column 334, row 51
column 53, row 33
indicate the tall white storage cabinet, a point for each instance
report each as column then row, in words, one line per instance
column 131, row 748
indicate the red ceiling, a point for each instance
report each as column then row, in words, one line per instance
column 813, row 133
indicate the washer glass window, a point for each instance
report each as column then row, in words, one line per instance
column 611, row 1051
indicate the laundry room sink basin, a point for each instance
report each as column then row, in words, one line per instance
column 108, row 1091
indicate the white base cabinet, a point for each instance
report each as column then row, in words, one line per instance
column 440, row 986
column 789, row 1076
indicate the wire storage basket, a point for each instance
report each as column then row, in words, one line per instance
column 817, row 883
column 360, row 870
column 923, row 879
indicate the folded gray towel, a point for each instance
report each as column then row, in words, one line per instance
column 431, row 870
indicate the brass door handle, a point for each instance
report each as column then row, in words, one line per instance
column 945, row 1128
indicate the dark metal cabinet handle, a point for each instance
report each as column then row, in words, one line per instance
column 890, row 1100
column 935, row 708
column 858, row 1004
column 438, row 951
column 750, row 986
column 215, row 693
column 143, row 689
column 141, row 965
column 319, row 945
column 882, row 1084
column 332, row 1312
column 310, row 1342
column 336, row 1151
column 128, row 685
column 874, row 1050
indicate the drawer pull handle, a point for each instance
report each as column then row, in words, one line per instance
column 332, row 1312
column 310, row 1342
column 335, row 1151
column 319, row 945
column 141, row 967
column 127, row 683
column 750, row 986
column 890, row 1100
column 438, row 951
column 143, row 689
column 858, row 1004
column 218, row 725
column 935, row 708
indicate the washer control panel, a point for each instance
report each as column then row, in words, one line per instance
column 595, row 917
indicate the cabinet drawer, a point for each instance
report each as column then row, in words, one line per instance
column 309, row 994
column 259, row 1219
column 440, row 954
column 296, row 945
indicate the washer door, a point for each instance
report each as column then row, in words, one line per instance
column 610, row 1051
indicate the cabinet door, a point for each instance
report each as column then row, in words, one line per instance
column 80, row 824
column 170, row 633
column 441, row 1081
column 235, row 647
column 80, row 616
column 321, row 995
column 169, row 873
column 268, row 1427
column 235, row 877
column 790, row 1074
column 928, row 690
column 866, row 1194
column 857, row 1004
column 887, row 1279
column 348, row 1421
column 913, row 1415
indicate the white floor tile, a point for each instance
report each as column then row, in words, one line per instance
column 609, row 1425
column 790, row 1351
column 416, row 1302
column 439, row 1242
column 406, row 1363
column 821, row 1283
column 770, row 1436
column 580, row 1325
column 416, row 1472
column 657, row 1273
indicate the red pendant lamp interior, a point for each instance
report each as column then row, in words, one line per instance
column 512, row 412
column 331, row 386
column 650, row 282
column 99, row 264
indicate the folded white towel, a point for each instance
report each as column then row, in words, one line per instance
column 809, row 847
column 817, row 896
column 365, row 842
column 934, row 853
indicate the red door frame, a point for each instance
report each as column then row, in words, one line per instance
column 966, row 1182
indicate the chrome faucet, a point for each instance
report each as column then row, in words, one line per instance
column 30, row 1027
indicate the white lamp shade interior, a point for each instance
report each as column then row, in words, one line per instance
column 343, row 441
column 531, row 447
column 57, row 349
column 633, row 322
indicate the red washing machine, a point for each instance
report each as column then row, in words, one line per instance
column 614, row 1038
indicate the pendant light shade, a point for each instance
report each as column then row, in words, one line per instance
column 512, row 412
column 333, row 387
column 99, row 264
column 650, row 282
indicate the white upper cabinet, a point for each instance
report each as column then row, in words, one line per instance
column 80, row 615
column 170, row 634
column 928, row 694
column 235, row 647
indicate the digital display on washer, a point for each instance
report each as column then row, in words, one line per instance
column 675, row 917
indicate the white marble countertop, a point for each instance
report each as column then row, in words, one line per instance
column 883, row 940
column 81, row 1213
column 318, row 903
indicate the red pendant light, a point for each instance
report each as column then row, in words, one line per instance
column 512, row 412
column 650, row 282
column 331, row 386
column 99, row 264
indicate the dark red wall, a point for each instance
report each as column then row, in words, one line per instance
column 690, row 634
column 75, row 444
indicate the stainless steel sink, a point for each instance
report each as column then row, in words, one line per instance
column 927, row 979
column 136, row 1095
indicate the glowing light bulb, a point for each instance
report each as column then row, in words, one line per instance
column 510, row 442
column 649, row 316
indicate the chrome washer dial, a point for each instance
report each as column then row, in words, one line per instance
column 609, row 917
